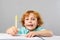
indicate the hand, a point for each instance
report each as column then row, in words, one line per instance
column 32, row 34
column 13, row 30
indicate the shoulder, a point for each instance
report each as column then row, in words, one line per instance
column 40, row 28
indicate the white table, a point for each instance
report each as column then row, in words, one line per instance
column 22, row 37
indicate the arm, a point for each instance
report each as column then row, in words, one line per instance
column 45, row 33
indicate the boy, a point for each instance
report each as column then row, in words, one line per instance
column 31, row 21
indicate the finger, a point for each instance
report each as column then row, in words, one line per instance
column 10, row 31
column 14, row 30
column 32, row 35
column 29, row 35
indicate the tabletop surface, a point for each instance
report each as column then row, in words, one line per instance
column 7, row 36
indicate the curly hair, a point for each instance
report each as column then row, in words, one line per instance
column 36, row 14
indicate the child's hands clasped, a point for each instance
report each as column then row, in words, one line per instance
column 32, row 34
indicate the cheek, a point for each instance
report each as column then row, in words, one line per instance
column 35, row 23
column 25, row 22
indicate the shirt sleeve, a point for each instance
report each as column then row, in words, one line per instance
column 40, row 29
column 23, row 30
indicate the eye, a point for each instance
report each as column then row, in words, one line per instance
column 33, row 18
column 26, row 19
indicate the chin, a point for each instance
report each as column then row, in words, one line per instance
column 30, row 29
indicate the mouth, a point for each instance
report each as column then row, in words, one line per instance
column 30, row 25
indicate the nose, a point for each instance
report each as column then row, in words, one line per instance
column 30, row 21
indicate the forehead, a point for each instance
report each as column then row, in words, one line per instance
column 30, row 15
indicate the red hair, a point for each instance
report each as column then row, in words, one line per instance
column 36, row 14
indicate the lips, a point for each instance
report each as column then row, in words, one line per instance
column 30, row 25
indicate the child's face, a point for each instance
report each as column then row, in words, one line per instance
column 30, row 22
